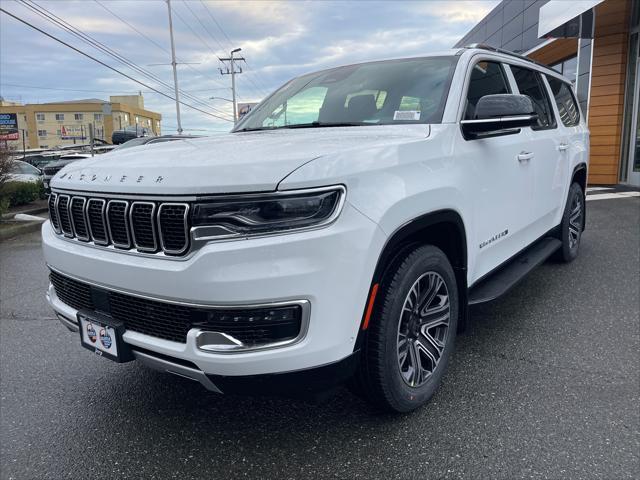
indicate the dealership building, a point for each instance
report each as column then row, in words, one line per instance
column 595, row 43
column 50, row 125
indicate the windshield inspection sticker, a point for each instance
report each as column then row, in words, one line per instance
column 406, row 115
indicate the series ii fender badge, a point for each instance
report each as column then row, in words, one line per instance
column 494, row 238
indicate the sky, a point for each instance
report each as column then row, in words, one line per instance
column 279, row 40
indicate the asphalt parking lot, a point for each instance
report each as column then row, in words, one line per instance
column 545, row 384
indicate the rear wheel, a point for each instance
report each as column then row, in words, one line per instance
column 411, row 335
column 571, row 225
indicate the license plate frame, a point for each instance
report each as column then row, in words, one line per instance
column 103, row 335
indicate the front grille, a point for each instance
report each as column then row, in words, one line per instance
column 51, row 171
column 63, row 215
column 78, row 219
column 148, row 227
column 53, row 216
column 173, row 221
column 253, row 327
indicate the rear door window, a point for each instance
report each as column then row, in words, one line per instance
column 487, row 78
column 565, row 101
column 530, row 83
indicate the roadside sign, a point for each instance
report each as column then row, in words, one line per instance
column 73, row 132
column 9, row 126
column 244, row 108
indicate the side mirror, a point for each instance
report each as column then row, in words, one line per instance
column 497, row 113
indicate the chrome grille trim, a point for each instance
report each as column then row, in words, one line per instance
column 94, row 239
column 84, row 238
column 135, row 224
column 153, row 227
column 124, row 219
column 170, row 251
column 63, row 215
column 52, row 203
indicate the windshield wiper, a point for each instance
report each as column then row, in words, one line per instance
column 307, row 125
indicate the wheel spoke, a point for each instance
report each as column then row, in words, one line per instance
column 435, row 282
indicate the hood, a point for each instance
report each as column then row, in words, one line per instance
column 234, row 162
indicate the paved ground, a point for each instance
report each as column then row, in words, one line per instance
column 546, row 384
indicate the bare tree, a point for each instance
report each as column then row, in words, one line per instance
column 5, row 165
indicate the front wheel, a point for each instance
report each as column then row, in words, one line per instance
column 572, row 225
column 412, row 333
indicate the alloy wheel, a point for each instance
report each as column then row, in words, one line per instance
column 423, row 328
column 575, row 221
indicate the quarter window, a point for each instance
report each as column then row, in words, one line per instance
column 566, row 102
column 487, row 78
column 530, row 83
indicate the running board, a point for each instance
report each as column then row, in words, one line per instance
column 508, row 275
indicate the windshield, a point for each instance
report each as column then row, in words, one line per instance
column 133, row 143
column 377, row 93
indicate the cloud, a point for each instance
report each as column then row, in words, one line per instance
column 279, row 39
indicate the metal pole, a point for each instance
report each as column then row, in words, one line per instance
column 24, row 148
column 91, row 137
column 233, row 89
column 175, row 71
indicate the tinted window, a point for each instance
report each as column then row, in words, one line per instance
column 566, row 102
column 530, row 83
column 487, row 78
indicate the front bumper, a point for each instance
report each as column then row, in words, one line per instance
column 331, row 268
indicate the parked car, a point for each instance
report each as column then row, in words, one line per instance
column 338, row 234
column 51, row 168
column 23, row 172
column 137, row 142
column 128, row 133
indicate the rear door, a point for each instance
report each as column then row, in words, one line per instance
column 547, row 146
column 500, row 185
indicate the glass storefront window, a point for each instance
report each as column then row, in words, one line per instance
column 568, row 68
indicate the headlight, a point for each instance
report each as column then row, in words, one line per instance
column 246, row 215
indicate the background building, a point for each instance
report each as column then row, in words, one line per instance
column 596, row 44
column 48, row 125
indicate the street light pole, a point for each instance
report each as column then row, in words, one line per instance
column 175, row 71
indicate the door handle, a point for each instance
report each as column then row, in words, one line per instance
column 525, row 156
column 563, row 147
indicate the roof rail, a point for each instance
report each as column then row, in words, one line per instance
column 483, row 46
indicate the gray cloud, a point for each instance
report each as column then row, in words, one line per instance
column 279, row 39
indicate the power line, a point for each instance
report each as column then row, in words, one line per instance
column 41, row 87
column 260, row 90
column 106, row 65
column 54, row 19
column 152, row 41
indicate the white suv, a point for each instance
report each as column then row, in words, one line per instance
column 339, row 233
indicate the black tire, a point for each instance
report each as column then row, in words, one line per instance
column 571, row 225
column 385, row 373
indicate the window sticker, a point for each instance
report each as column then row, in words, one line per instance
column 406, row 115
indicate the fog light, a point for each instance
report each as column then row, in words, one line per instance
column 228, row 330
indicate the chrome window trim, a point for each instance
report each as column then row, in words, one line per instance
column 66, row 234
column 185, row 224
column 105, row 242
column 57, row 229
column 73, row 223
column 126, row 224
column 153, row 227
column 303, row 303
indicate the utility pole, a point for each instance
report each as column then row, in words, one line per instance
column 231, row 70
column 175, row 71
